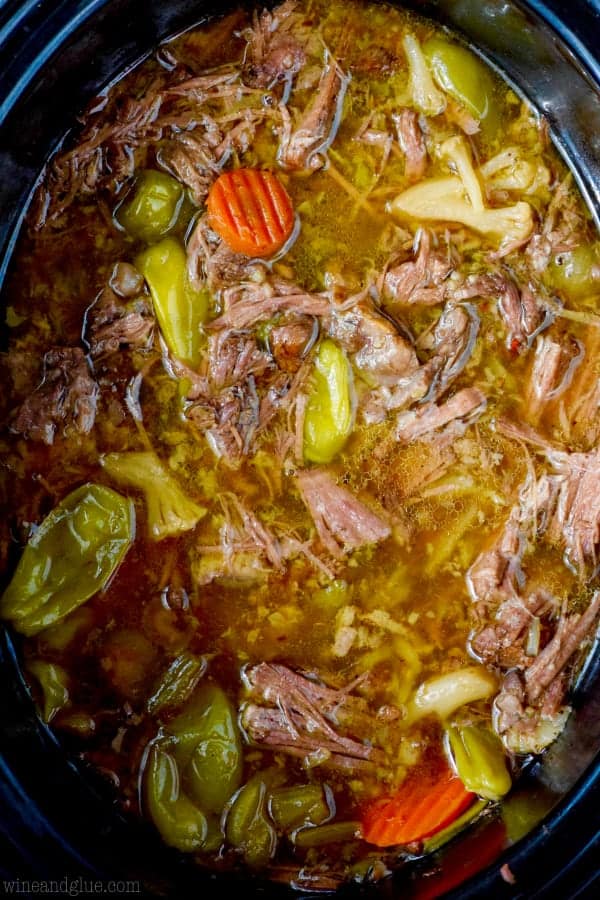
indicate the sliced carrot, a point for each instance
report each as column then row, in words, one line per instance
column 422, row 806
column 251, row 210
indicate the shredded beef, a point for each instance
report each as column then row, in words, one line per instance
column 261, row 301
column 305, row 717
column 274, row 52
column 342, row 521
column 191, row 159
column 248, row 549
column 562, row 229
column 421, row 281
column 521, row 313
column 453, row 340
column 570, row 633
column 211, row 263
column 451, row 344
column 497, row 571
column 504, row 642
column 112, row 324
column 460, row 410
column 301, row 147
column 237, row 419
column 582, row 407
column 231, row 358
column 530, row 708
column 376, row 345
column 291, row 341
column 401, row 395
column 412, row 142
column 554, row 364
column 567, row 503
column 520, row 310
column 522, row 631
column 66, row 398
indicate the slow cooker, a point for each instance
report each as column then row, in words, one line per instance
column 59, row 824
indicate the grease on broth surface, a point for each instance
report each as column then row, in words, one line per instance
column 363, row 470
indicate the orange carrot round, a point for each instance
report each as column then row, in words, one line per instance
column 422, row 806
column 251, row 210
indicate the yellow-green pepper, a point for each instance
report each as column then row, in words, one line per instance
column 181, row 824
column 329, row 414
column 177, row 683
column 293, row 807
column 54, row 682
column 152, row 209
column 208, row 748
column 179, row 308
column 464, row 77
column 70, row 557
column 331, row 833
column 248, row 827
column 480, row 761
column 576, row 272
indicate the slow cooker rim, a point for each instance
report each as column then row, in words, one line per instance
column 41, row 13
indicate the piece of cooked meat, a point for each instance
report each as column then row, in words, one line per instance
column 212, row 264
column 376, row 345
column 262, row 301
column 290, row 341
column 452, row 343
column 231, row 357
column 192, row 160
column 300, row 147
column 554, row 364
column 421, row 281
column 531, row 707
column 520, row 310
column 412, row 142
column 567, row 502
column 274, row 51
column 504, row 641
column 111, row 323
column 65, row 398
column 460, row 410
column 342, row 521
column 305, row 717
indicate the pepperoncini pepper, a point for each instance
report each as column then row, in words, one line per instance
column 181, row 824
column 177, row 683
column 70, row 557
column 300, row 805
column 54, row 683
column 207, row 746
column 461, row 75
column 152, row 209
column 576, row 272
column 329, row 414
column 480, row 761
column 179, row 308
column 248, row 826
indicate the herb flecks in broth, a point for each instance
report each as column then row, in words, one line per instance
column 312, row 294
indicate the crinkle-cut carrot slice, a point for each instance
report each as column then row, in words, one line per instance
column 251, row 210
column 423, row 805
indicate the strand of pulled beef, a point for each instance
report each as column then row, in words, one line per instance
column 304, row 717
column 342, row 521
